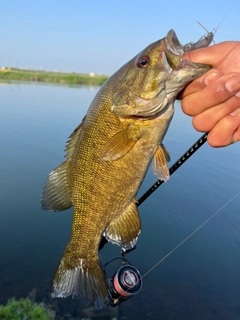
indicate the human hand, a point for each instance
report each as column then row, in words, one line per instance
column 213, row 100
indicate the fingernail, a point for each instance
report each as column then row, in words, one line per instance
column 235, row 112
column 238, row 94
column 233, row 84
column 211, row 77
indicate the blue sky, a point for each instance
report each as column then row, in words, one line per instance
column 99, row 36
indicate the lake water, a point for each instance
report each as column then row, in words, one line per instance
column 200, row 280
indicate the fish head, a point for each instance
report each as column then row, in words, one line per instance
column 152, row 79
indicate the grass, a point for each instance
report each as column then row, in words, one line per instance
column 54, row 77
column 24, row 309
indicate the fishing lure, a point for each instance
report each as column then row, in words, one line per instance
column 204, row 41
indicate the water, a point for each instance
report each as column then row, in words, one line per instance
column 200, row 280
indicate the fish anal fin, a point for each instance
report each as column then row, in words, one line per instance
column 119, row 145
column 56, row 194
column 125, row 229
column 160, row 167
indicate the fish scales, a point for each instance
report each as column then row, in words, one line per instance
column 107, row 157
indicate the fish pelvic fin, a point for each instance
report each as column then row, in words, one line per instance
column 165, row 152
column 125, row 229
column 81, row 278
column 160, row 167
column 56, row 192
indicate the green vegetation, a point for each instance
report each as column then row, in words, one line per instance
column 55, row 77
column 24, row 309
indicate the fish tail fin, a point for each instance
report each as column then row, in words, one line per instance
column 81, row 278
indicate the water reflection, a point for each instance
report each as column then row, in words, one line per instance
column 200, row 280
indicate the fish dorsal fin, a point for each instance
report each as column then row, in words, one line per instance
column 160, row 167
column 119, row 145
column 56, row 194
column 125, row 229
column 72, row 141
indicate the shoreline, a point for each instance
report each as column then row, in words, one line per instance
column 51, row 76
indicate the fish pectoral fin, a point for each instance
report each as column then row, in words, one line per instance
column 119, row 145
column 160, row 167
column 56, row 193
column 125, row 229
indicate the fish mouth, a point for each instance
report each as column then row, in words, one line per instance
column 180, row 72
column 174, row 54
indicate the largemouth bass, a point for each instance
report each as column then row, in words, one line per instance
column 107, row 157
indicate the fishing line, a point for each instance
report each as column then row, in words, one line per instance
column 225, row 17
column 190, row 235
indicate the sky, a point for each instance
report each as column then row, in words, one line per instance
column 101, row 35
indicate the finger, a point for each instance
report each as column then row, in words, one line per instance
column 236, row 134
column 200, row 83
column 227, row 131
column 216, row 93
column 206, row 120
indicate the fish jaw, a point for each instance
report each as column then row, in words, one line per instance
column 182, row 70
column 148, row 90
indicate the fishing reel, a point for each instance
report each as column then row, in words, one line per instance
column 124, row 283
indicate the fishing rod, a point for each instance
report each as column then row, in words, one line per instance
column 174, row 167
column 127, row 281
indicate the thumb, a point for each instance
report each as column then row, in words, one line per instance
column 212, row 55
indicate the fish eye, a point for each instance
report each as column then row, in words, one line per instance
column 143, row 62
